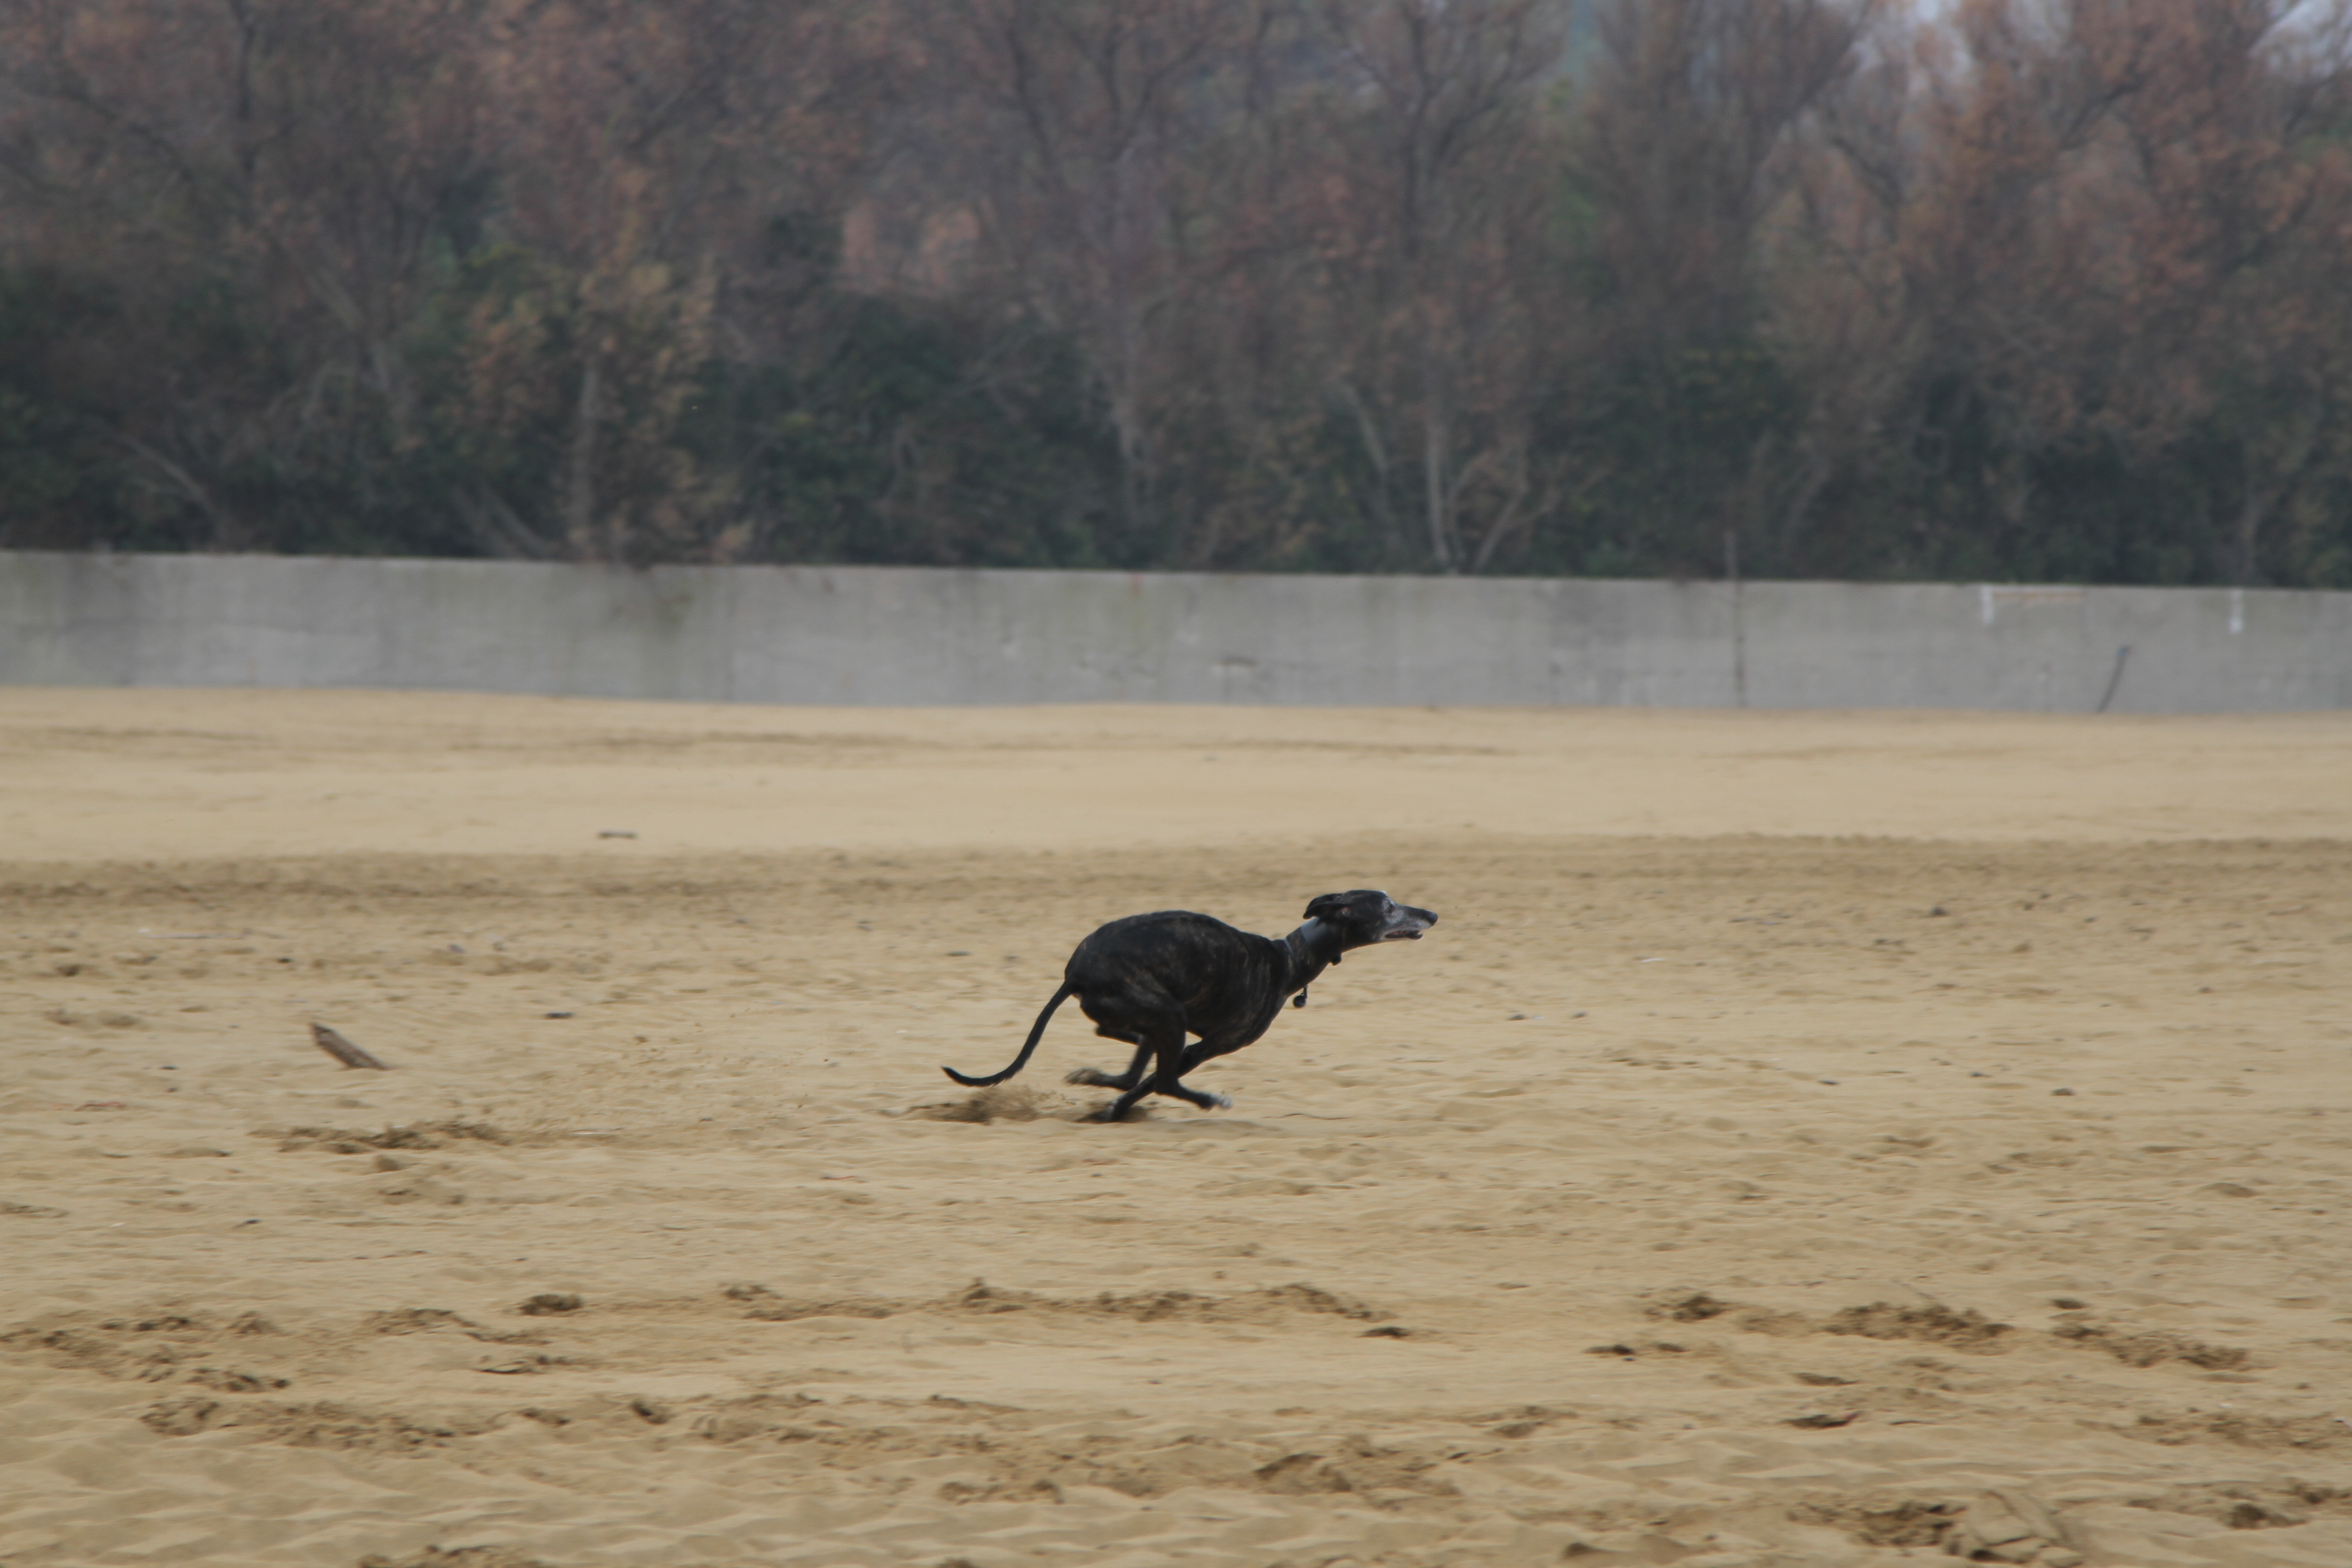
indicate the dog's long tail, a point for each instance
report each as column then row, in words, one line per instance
column 1036, row 1032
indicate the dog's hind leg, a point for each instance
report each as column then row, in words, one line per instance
column 1095, row 1078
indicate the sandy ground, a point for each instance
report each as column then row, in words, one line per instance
column 1806, row 1140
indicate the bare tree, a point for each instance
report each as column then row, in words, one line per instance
column 1688, row 144
column 2102, row 226
column 1431, row 208
column 655, row 151
column 1075, row 125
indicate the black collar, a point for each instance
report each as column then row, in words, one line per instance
column 1313, row 947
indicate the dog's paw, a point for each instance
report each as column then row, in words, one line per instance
column 1219, row 1102
column 1093, row 1078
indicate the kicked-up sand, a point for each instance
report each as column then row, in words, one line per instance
column 1806, row 1140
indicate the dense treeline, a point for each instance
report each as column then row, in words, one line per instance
column 2029, row 288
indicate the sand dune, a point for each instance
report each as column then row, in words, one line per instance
column 1805, row 1140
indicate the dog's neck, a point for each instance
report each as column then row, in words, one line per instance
column 1313, row 947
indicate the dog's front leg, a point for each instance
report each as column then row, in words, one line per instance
column 1200, row 1097
column 1213, row 1046
column 1165, row 1042
column 1164, row 1080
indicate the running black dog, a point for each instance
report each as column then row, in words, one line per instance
column 1149, row 980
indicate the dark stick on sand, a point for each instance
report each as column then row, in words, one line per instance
column 342, row 1050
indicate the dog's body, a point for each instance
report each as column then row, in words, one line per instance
column 1149, row 980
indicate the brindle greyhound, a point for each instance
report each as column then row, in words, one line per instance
column 1149, row 980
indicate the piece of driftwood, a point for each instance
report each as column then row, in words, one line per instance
column 342, row 1050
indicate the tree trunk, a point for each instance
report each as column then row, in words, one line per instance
column 1433, row 446
column 580, row 501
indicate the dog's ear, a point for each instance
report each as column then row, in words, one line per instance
column 1328, row 906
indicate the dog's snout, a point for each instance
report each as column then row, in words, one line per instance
column 1406, row 923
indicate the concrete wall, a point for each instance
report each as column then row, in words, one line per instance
column 887, row 635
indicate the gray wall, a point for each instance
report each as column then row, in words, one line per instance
column 893, row 636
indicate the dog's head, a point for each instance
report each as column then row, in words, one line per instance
column 1367, row 916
